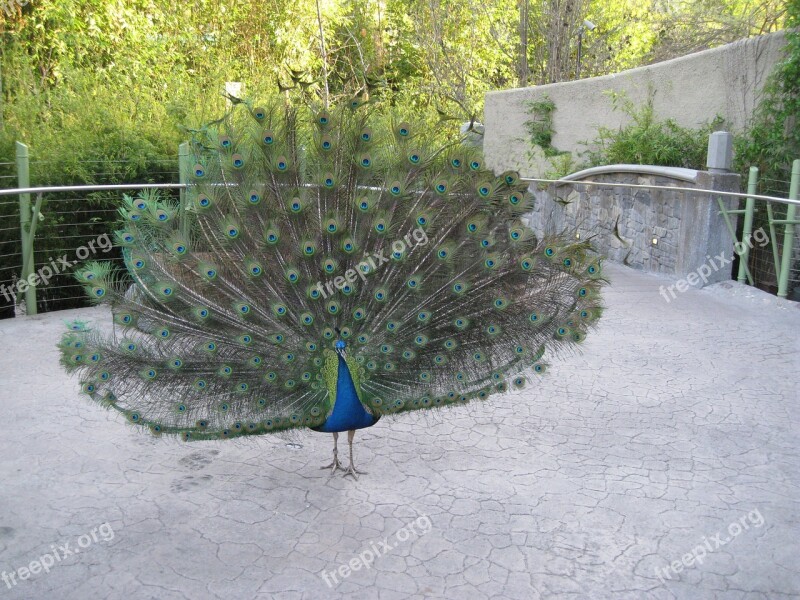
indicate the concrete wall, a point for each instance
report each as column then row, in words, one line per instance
column 623, row 222
column 693, row 89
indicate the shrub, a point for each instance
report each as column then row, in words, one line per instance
column 648, row 140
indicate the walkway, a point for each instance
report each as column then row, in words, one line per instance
column 663, row 462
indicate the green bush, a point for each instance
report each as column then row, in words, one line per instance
column 648, row 140
column 772, row 140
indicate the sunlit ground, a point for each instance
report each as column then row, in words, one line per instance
column 662, row 462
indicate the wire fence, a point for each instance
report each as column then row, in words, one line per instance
column 75, row 225
column 68, row 225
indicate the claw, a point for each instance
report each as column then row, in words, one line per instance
column 334, row 465
column 351, row 470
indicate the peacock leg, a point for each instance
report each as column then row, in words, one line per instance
column 351, row 470
column 335, row 464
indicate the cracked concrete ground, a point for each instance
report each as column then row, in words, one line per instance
column 675, row 430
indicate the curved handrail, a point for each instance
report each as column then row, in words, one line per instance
column 679, row 173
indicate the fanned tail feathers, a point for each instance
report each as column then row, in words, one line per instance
column 305, row 227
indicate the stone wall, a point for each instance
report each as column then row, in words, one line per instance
column 692, row 90
column 662, row 231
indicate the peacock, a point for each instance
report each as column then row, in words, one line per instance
column 329, row 266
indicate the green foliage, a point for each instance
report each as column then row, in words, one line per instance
column 540, row 126
column 648, row 140
column 772, row 141
column 561, row 166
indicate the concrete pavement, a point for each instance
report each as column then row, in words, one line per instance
column 662, row 462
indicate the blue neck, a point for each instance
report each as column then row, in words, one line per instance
column 348, row 412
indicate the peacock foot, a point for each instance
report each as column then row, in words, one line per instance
column 351, row 470
column 335, row 464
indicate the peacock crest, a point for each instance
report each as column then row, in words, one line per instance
column 303, row 228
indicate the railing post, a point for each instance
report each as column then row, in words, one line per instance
column 24, row 181
column 747, row 227
column 183, row 171
column 788, row 233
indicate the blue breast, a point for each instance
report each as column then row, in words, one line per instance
column 348, row 412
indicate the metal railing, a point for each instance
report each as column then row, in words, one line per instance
column 29, row 215
column 782, row 255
